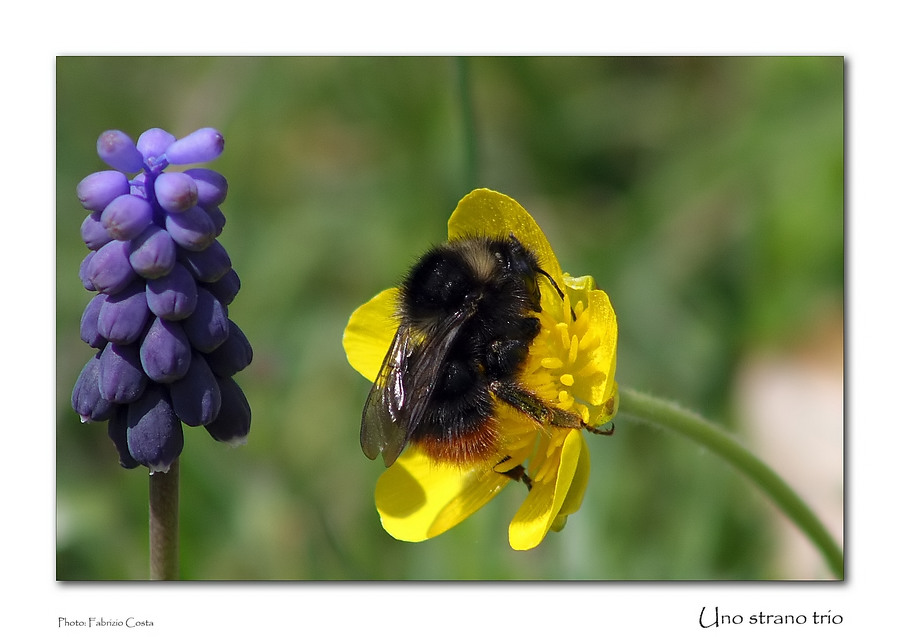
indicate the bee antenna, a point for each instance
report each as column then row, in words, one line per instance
column 555, row 285
column 558, row 290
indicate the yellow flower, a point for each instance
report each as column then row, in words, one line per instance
column 570, row 366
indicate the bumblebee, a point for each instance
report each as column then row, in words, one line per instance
column 467, row 319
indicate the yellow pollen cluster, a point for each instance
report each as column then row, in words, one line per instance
column 562, row 370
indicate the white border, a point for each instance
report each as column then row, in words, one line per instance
column 34, row 35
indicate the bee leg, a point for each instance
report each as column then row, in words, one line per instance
column 533, row 407
column 517, row 473
column 609, row 410
column 602, row 432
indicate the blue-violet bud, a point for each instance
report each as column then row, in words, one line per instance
column 211, row 186
column 90, row 330
column 97, row 190
column 207, row 266
column 154, row 436
column 176, row 192
column 124, row 314
column 93, row 232
column 121, row 378
column 116, row 149
column 165, row 351
column 232, row 424
column 152, row 253
column 153, row 144
column 192, row 229
column 173, row 296
column 225, row 288
column 109, row 271
column 127, row 216
column 86, row 399
column 202, row 145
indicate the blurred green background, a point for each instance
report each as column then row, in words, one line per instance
column 705, row 194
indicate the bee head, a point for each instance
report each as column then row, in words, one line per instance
column 520, row 263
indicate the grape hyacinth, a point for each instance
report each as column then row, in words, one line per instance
column 166, row 349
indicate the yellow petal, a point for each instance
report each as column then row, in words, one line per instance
column 575, row 496
column 579, row 283
column 369, row 332
column 604, row 331
column 546, row 498
column 486, row 212
column 419, row 499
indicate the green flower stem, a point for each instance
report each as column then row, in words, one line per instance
column 164, row 524
column 665, row 414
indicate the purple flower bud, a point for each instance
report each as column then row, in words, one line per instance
column 192, row 229
column 152, row 253
column 207, row 266
column 207, row 326
column 173, row 296
column 196, row 397
column 117, row 430
column 154, row 435
column 212, row 187
column 176, row 192
column 83, row 272
column 231, row 356
column 226, row 288
column 124, row 315
column 86, row 399
column 232, row 425
column 109, row 270
column 117, row 150
column 165, row 351
column 127, row 216
column 89, row 331
column 96, row 190
column 93, row 232
column 153, row 143
column 202, row 145
column 218, row 218
column 121, row 377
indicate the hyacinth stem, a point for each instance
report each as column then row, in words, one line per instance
column 164, row 524
column 470, row 140
column 666, row 414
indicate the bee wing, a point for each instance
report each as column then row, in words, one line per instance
column 384, row 425
column 402, row 391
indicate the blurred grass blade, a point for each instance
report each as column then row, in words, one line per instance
column 467, row 110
